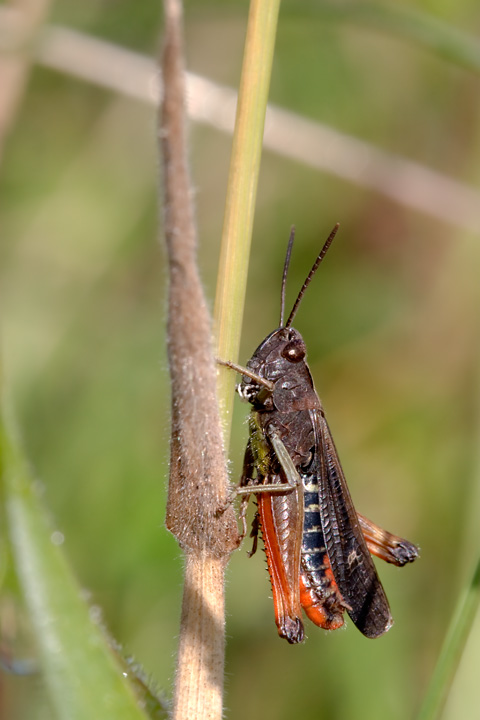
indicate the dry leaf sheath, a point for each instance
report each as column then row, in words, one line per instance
column 198, row 477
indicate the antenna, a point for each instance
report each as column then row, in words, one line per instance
column 285, row 272
column 310, row 275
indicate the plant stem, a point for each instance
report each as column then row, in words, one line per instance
column 241, row 192
column 198, row 475
column 201, row 650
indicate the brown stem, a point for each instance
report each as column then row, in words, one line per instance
column 198, row 476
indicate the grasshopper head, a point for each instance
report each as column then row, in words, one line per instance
column 280, row 359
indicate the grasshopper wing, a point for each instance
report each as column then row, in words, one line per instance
column 352, row 566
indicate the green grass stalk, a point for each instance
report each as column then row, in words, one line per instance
column 241, row 192
column 452, row 650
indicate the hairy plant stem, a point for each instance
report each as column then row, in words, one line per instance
column 198, row 484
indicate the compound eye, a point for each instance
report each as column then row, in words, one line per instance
column 294, row 352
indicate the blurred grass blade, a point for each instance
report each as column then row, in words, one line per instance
column 426, row 30
column 154, row 702
column 452, row 650
column 82, row 674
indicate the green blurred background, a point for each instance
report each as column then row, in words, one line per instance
column 391, row 324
